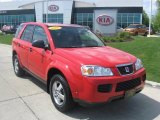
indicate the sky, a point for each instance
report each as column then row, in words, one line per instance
column 146, row 4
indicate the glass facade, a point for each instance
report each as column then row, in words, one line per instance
column 125, row 19
column 53, row 18
column 85, row 19
column 16, row 19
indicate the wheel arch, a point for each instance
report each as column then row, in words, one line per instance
column 14, row 53
column 51, row 72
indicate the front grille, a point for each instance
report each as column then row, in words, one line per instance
column 125, row 69
column 127, row 85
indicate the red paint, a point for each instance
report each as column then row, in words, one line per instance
column 69, row 62
column 105, row 20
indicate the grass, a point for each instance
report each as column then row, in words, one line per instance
column 6, row 39
column 147, row 49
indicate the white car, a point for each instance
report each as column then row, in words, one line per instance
column 119, row 29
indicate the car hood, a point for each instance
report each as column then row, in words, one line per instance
column 130, row 28
column 103, row 56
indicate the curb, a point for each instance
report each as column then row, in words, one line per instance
column 153, row 84
column 5, row 45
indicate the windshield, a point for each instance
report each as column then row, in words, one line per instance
column 132, row 26
column 74, row 37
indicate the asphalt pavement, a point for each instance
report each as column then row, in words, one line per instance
column 26, row 99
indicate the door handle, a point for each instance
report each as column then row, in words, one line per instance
column 30, row 49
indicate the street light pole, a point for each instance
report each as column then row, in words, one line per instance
column 150, row 20
column 47, row 12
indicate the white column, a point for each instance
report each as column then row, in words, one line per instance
column 150, row 20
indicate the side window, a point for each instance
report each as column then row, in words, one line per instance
column 144, row 26
column 19, row 30
column 39, row 34
column 139, row 26
column 28, row 33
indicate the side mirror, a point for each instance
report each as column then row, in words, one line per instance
column 39, row 44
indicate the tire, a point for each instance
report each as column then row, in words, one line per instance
column 60, row 93
column 145, row 34
column 17, row 67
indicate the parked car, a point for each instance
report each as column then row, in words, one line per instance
column 137, row 29
column 75, row 64
column 9, row 29
column 120, row 29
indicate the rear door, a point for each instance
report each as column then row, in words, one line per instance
column 23, row 44
column 38, row 58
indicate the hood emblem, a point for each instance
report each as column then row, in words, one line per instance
column 127, row 69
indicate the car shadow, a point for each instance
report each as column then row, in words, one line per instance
column 139, row 107
column 35, row 81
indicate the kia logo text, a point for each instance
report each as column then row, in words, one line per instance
column 105, row 20
column 53, row 8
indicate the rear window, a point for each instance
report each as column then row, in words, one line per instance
column 19, row 30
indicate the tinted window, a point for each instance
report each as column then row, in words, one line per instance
column 70, row 37
column 28, row 33
column 39, row 34
column 144, row 26
column 19, row 30
column 132, row 26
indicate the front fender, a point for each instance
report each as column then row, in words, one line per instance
column 65, row 69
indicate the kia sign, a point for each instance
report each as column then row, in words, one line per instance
column 105, row 20
column 53, row 8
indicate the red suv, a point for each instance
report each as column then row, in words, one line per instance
column 75, row 64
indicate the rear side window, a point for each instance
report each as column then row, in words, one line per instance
column 28, row 33
column 19, row 30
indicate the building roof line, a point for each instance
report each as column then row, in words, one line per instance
column 39, row 1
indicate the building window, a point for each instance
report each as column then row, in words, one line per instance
column 53, row 18
column 125, row 19
column 16, row 19
column 85, row 19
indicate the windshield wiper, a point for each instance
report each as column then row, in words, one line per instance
column 92, row 46
column 72, row 47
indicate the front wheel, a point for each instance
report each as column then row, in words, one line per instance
column 60, row 93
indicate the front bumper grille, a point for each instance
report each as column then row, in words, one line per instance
column 127, row 85
column 125, row 69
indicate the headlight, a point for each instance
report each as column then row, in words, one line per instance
column 91, row 70
column 138, row 64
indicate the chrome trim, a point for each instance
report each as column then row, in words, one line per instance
column 123, row 65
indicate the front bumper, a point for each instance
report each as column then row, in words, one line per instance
column 90, row 93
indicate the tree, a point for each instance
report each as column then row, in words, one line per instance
column 156, row 18
column 145, row 18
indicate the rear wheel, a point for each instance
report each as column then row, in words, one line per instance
column 17, row 68
column 146, row 34
column 60, row 93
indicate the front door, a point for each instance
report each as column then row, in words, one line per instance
column 39, row 58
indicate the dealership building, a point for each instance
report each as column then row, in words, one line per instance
column 101, row 15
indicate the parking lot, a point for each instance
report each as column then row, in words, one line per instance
column 26, row 99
